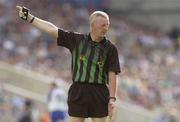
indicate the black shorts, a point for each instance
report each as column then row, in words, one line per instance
column 88, row 100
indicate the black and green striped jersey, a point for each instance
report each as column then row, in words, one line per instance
column 91, row 61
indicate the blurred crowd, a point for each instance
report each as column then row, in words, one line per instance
column 15, row 108
column 149, row 57
column 18, row 108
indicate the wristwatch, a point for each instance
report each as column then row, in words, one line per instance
column 113, row 98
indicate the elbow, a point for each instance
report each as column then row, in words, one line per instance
column 53, row 31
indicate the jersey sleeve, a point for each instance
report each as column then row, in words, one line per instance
column 68, row 39
column 113, row 60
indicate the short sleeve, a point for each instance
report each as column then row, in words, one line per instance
column 68, row 39
column 113, row 60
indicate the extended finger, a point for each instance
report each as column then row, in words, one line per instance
column 19, row 7
column 110, row 114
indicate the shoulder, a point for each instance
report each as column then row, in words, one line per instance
column 69, row 32
column 80, row 36
column 110, row 45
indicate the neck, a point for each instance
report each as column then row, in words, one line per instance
column 95, row 38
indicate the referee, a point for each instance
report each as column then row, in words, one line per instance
column 94, row 66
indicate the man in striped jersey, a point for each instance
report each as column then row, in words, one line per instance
column 95, row 65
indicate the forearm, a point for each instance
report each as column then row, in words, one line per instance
column 112, row 92
column 47, row 27
column 112, row 84
column 44, row 26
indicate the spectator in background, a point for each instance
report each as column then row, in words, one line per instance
column 57, row 106
column 27, row 111
column 45, row 117
column 17, row 105
column 175, row 36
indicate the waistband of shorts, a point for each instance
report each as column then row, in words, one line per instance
column 87, row 83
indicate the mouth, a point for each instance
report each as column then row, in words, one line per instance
column 104, row 32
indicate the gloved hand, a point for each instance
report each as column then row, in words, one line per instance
column 23, row 12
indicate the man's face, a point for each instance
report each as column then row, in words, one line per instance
column 100, row 26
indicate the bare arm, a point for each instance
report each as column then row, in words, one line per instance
column 112, row 92
column 112, row 84
column 42, row 25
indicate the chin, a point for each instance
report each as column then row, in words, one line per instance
column 103, row 35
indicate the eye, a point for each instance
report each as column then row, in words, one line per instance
column 103, row 25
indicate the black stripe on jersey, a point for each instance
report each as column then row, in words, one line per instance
column 105, row 74
column 100, row 55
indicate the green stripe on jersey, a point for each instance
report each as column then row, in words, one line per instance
column 93, row 66
column 73, row 60
column 85, row 62
column 78, row 61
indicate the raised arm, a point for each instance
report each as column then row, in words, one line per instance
column 42, row 25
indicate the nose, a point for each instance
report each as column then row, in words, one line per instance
column 106, row 27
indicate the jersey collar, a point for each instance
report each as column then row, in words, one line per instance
column 103, row 41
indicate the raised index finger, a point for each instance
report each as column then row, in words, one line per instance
column 19, row 7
